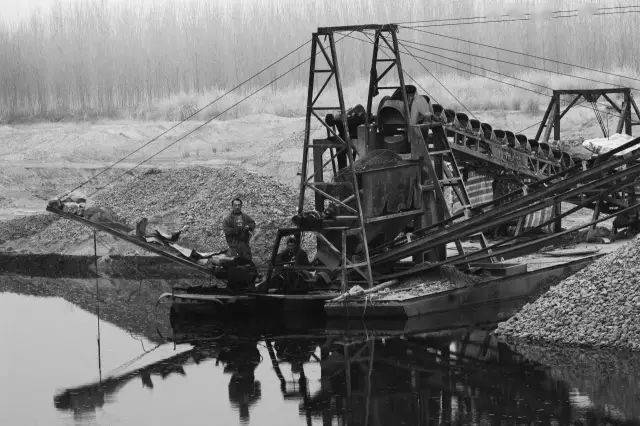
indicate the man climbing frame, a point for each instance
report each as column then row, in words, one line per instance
column 238, row 229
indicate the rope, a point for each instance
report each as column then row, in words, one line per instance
column 441, row 20
column 436, row 79
column 529, row 126
column 208, row 121
column 128, row 171
column 479, row 67
column 539, row 122
column 524, row 54
column 425, row 68
column 459, row 69
column 487, row 17
column 490, row 70
column 471, row 23
column 560, row 14
column 600, row 120
column 511, row 63
column 155, row 138
column 403, row 70
column 494, row 79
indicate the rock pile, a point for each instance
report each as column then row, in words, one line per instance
column 24, row 226
column 198, row 197
column 598, row 306
column 409, row 292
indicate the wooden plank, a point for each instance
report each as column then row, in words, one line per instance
column 504, row 269
column 393, row 216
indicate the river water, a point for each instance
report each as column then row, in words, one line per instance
column 151, row 367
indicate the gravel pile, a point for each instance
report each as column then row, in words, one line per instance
column 417, row 290
column 598, row 306
column 24, row 226
column 448, row 278
column 198, row 197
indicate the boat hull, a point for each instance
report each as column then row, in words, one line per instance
column 191, row 304
column 493, row 291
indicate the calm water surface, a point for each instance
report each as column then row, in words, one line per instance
column 154, row 368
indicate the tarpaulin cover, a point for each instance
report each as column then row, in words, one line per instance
column 604, row 145
column 536, row 218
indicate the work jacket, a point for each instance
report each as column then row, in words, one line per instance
column 238, row 228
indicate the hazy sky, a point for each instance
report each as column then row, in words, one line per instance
column 15, row 10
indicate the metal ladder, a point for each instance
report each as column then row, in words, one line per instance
column 439, row 153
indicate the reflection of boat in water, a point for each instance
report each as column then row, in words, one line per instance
column 162, row 360
column 392, row 374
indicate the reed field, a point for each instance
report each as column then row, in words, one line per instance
column 164, row 59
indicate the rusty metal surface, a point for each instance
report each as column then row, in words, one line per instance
column 387, row 191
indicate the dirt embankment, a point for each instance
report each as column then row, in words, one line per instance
column 263, row 143
column 598, row 306
column 198, row 197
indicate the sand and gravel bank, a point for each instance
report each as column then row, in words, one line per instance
column 597, row 307
column 195, row 197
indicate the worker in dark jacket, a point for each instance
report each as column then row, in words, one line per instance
column 293, row 255
column 285, row 277
column 238, row 230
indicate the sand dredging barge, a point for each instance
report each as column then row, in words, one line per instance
column 411, row 189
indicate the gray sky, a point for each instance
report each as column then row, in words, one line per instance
column 16, row 10
column 12, row 11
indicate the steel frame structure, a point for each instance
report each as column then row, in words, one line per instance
column 608, row 176
column 338, row 141
column 553, row 114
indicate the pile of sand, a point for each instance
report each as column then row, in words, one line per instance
column 198, row 197
column 598, row 306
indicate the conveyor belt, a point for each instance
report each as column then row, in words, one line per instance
column 154, row 248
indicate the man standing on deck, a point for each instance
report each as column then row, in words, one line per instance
column 238, row 230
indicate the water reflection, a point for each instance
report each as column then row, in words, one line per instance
column 350, row 378
column 288, row 371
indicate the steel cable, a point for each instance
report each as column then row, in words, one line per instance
column 128, row 171
column 489, row 70
column 511, row 63
column 523, row 54
column 499, row 81
column 416, row 58
column 155, row 138
column 526, row 17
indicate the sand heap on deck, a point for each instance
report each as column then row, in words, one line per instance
column 198, row 197
column 598, row 306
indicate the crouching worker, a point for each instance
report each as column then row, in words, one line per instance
column 238, row 229
column 292, row 255
column 285, row 277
